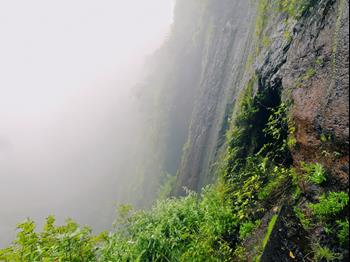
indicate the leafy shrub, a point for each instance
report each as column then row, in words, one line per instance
column 191, row 227
column 55, row 243
column 330, row 205
column 315, row 173
column 276, row 180
column 240, row 254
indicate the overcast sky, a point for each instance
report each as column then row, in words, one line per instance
column 66, row 71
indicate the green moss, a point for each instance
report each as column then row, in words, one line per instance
column 319, row 61
column 266, row 41
column 294, row 8
column 310, row 72
column 288, row 36
column 323, row 138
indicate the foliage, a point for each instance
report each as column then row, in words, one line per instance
column 278, row 129
column 330, row 205
column 241, row 130
column 257, row 154
column 304, row 220
column 55, row 243
column 324, row 253
column 247, row 228
column 191, row 227
column 276, row 180
column 315, row 172
column 240, row 254
column 343, row 232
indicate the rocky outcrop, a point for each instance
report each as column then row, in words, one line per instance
column 316, row 72
column 307, row 59
column 227, row 47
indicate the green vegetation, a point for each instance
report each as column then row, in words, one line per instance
column 324, row 138
column 55, row 243
column 304, row 220
column 196, row 226
column 309, row 74
column 266, row 42
column 261, row 19
column 295, row 8
column 324, row 253
column 288, row 36
column 343, row 232
column 315, row 173
column 247, row 228
column 277, row 179
column 330, row 204
column 190, row 227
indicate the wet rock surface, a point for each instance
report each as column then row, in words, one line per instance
column 316, row 73
column 310, row 69
column 288, row 240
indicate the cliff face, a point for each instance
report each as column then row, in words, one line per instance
column 274, row 85
column 317, row 67
column 227, row 47
column 259, row 90
column 305, row 58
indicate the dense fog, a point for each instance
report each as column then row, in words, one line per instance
column 70, row 122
